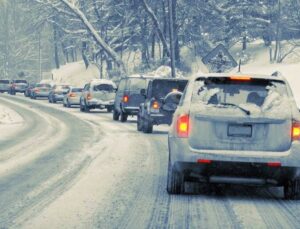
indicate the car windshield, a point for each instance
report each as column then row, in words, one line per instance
column 160, row 88
column 224, row 91
column 137, row 84
column 43, row 85
column 20, row 81
column 77, row 89
column 104, row 87
column 4, row 81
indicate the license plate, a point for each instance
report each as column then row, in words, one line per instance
column 236, row 130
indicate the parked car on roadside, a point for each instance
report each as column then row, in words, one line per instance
column 128, row 97
column 236, row 129
column 5, row 86
column 72, row 97
column 41, row 90
column 156, row 109
column 57, row 93
column 99, row 94
column 18, row 86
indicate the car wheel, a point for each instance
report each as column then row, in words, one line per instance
column 291, row 189
column 116, row 115
column 81, row 106
column 124, row 116
column 86, row 108
column 147, row 126
column 68, row 104
column 54, row 100
column 139, row 123
column 175, row 181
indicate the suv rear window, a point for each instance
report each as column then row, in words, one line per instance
column 20, row 81
column 137, row 84
column 226, row 91
column 4, row 81
column 43, row 85
column 160, row 88
column 104, row 87
column 77, row 89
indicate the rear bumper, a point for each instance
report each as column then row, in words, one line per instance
column 41, row 94
column 131, row 110
column 232, row 163
column 100, row 103
column 58, row 97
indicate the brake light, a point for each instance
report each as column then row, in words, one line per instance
column 274, row 164
column 36, row 90
column 296, row 131
column 125, row 98
column 183, row 127
column 72, row 95
column 242, row 78
column 204, row 161
column 155, row 105
column 89, row 96
column 13, row 85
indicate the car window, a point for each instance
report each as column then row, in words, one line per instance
column 77, row 89
column 160, row 88
column 86, row 87
column 20, row 81
column 4, row 81
column 43, row 85
column 62, row 87
column 122, row 85
column 104, row 87
column 223, row 90
column 137, row 84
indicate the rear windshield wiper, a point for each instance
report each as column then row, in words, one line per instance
column 234, row 105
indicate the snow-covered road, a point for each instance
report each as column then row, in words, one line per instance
column 67, row 169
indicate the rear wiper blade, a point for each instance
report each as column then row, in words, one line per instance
column 234, row 105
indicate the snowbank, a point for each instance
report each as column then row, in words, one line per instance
column 75, row 74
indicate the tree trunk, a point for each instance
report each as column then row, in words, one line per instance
column 55, row 41
column 172, row 43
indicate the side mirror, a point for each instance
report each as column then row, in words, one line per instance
column 143, row 92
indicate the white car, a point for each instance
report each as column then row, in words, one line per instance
column 72, row 97
column 98, row 94
column 240, row 129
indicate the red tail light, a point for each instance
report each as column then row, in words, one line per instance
column 13, row 85
column 72, row 95
column 89, row 96
column 296, row 131
column 36, row 90
column 155, row 105
column 204, row 161
column 274, row 164
column 125, row 98
column 183, row 126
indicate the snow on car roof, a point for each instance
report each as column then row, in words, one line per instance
column 254, row 76
column 103, row 81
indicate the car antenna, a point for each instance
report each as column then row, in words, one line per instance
column 240, row 63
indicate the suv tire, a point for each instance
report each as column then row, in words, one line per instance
column 139, row 123
column 291, row 189
column 175, row 182
column 109, row 109
column 81, row 107
column 124, row 116
column 147, row 126
column 116, row 115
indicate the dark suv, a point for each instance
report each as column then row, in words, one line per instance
column 128, row 97
column 161, row 99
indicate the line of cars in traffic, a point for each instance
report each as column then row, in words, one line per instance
column 224, row 128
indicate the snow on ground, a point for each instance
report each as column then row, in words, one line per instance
column 10, row 122
column 75, row 74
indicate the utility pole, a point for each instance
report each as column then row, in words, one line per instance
column 172, row 45
column 40, row 56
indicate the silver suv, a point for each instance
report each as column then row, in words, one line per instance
column 98, row 94
column 236, row 129
column 5, row 86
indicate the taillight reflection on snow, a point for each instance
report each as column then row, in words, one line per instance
column 183, row 126
column 296, row 131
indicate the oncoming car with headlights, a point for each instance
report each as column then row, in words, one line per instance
column 238, row 130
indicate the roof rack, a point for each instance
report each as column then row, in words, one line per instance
column 276, row 73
